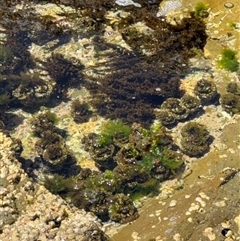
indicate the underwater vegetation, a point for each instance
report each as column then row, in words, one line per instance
column 132, row 94
column 129, row 94
column 228, row 60
column 200, row 10
column 114, row 131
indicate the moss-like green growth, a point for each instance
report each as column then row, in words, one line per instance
column 106, row 181
column 112, row 128
column 233, row 25
column 228, row 60
column 150, row 187
column 52, row 117
column 147, row 161
column 4, row 99
column 201, row 10
column 171, row 159
column 58, row 184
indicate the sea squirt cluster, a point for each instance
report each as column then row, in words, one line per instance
column 132, row 161
column 51, row 147
column 231, row 99
column 195, row 139
column 188, row 106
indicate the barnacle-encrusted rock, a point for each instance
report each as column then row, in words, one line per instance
column 231, row 103
column 128, row 155
column 159, row 171
column 195, row 139
column 130, row 175
column 234, row 88
column 206, row 90
column 95, row 201
column 43, row 122
column 122, row 209
column 119, row 139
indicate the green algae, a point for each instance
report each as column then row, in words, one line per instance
column 110, row 129
column 228, row 60
column 201, row 10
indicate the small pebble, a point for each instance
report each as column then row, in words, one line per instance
column 188, row 213
column 228, row 5
column 190, row 220
column 173, row 203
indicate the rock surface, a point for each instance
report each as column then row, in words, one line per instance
column 30, row 212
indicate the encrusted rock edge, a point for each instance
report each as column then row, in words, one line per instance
column 28, row 211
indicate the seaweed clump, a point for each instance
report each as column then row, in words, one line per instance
column 228, row 60
column 200, row 10
column 139, row 156
column 174, row 110
column 132, row 162
column 64, row 73
column 156, row 64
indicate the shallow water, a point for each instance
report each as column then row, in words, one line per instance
column 84, row 57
